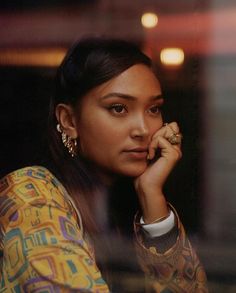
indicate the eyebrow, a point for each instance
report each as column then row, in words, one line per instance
column 128, row 97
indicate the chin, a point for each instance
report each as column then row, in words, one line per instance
column 134, row 171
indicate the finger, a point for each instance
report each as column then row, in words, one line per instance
column 177, row 147
column 162, row 143
column 175, row 139
column 167, row 130
column 173, row 134
column 173, row 126
column 173, row 152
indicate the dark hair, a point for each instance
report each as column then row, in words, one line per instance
column 88, row 64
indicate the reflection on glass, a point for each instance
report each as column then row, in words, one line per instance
column 149, row 20
column 172, row 56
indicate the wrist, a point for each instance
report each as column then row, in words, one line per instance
column 154, row 207
column 156, row 221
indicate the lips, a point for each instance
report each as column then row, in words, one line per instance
column 137, row 153
column 138, row 150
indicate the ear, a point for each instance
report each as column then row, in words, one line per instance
column 66, row 118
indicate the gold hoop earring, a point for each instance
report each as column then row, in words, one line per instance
column 69, row 143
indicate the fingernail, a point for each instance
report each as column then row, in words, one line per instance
column 148, row 157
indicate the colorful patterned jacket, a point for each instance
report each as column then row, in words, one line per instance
column 43, row 249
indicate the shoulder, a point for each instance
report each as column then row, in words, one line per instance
column 32, row 173
column 30, row 186
column 29, row 183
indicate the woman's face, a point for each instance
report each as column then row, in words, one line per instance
column 116, row 121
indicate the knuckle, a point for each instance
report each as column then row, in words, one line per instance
column 176, row 154
column 174, row 123
column 175, row 126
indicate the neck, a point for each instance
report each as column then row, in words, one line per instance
column 105, row 178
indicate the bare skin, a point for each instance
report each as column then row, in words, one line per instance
column 149, row 185
column 119, row 127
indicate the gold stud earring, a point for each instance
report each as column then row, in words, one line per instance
column 69, row 142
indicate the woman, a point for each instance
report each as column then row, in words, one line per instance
column 105, row 125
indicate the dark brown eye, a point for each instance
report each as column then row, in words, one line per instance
column 118, row 109
column 155, row 109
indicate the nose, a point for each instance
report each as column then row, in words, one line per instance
column 140, row 128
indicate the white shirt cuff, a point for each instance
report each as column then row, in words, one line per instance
column 161, row 228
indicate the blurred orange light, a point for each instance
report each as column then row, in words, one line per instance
column 172, row 56
column 149, row 20
column 48, row 57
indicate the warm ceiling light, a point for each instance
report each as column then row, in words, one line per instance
column 172, row 56
column 149, row 20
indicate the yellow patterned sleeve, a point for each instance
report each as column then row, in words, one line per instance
column 42, row 248
column 176, row 270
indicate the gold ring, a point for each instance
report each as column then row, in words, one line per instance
column 175, row 138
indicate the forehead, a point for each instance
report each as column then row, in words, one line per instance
column 136, row 80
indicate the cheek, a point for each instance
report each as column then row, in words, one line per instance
column 156, row 126
column 98, row 139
